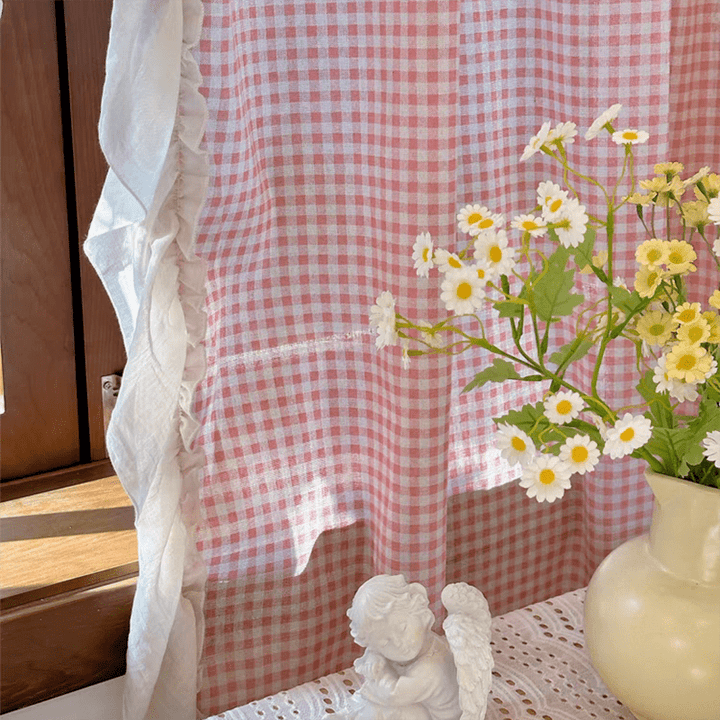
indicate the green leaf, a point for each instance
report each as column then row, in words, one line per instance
column 659, row 409
column 584, row 251
column 531, row 419
column 668, row 445
column 552, row 294
column 628, row 302
column 708, row 419
column 526, row 417
column 571, row 352
column 499, row 371
column 507, row 309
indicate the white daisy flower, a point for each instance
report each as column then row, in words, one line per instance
column 627, row 435
column 713, row 210
column 630, row 137
column 580, row 453
column 405, row 343
column 563, row 132
column 447, row 261
column 676, row 389
column 382, row 318
column 600, row 424
column 484, row 271
column 572, row 224
column 711, row 445
column 530, row 224
column 602, row 120
column 699, row 175
column 515, row 445
column 492, row 250
column 428, row 336
column 546, row 478
column 563, row 406
column 536, row 142
column 462, row 291
column 475, row 219
column 552, row 200
column 423, row 254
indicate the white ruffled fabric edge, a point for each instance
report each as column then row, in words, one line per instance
column 141, row 242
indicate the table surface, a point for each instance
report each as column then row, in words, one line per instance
column 542, row 671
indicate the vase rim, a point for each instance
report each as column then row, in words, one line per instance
column 681, row 481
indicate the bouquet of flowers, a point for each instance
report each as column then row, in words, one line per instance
column 675, row 427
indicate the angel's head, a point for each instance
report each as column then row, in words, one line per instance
column 391, row 617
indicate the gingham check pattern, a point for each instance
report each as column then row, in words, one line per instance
column 337, row 132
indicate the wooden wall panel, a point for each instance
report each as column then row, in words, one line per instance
column 39, row 430
column 64, row 643
column 87, row 28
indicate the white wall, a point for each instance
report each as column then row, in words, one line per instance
column 97, row 702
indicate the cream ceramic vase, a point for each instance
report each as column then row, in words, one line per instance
column 652, row 611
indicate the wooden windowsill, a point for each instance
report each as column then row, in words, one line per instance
column 58, row 536
column 68, row 571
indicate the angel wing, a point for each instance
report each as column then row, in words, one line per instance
column 467, row 629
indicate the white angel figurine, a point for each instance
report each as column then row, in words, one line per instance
column 409, row 671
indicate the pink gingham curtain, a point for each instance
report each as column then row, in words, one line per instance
column 336, row 132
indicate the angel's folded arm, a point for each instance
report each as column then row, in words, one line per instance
column 406, row 690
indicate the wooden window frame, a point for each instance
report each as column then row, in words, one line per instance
column 65, row 636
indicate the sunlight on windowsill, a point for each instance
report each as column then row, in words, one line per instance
column 60, row 535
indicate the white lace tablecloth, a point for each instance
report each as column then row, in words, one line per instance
column 542, row 670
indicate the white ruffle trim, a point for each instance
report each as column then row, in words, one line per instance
column 142, row 244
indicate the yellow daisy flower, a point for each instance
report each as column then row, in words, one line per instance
column 656, row 327
column 638, row 199
column 690, row 363
column 713, row 320
column 652, row 252
column 598, row 261
column 695, row 213
column 680, row 257
column 694, row 333
column 656, row 184
column 711, row 184
column 687, row 312
column 648, row 279
column 715, row 299
column 663, row 188
column 668, row 168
